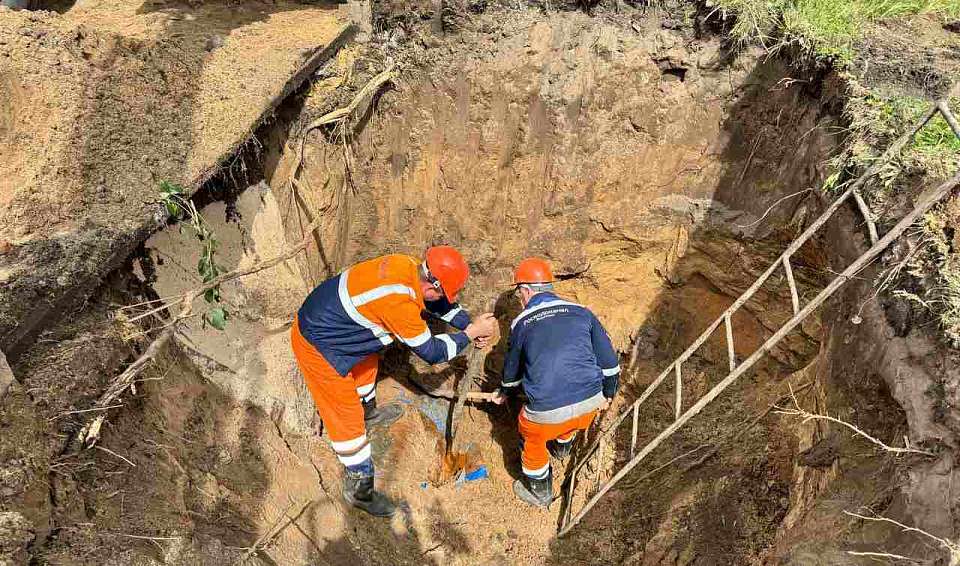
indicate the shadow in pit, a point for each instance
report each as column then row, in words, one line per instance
column 725, row 510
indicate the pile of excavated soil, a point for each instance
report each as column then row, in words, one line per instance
column 100, row 104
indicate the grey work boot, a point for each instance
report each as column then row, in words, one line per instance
column 386, row 415
column 560, row 450
column 359, row 492
column 538, row 493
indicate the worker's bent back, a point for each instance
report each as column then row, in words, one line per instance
column 367, row 307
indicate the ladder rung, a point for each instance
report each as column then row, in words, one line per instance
column 599, row 461
column 731, row 352
column 867, row 215
column 794, row 296
column 679, row 400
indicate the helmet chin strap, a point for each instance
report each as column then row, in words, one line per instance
column 430, row 278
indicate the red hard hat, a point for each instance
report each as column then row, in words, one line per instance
column 532, row 270
column 449, row 268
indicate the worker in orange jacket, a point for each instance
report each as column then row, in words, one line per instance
column 348, row 319
column 562, row 358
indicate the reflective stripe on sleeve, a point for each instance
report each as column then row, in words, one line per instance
column 418, row 340
column 451, row 346
column 611, row 371
column 451, row 314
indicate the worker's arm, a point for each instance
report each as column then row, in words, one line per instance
column 607, row 358
column 403, row 320
column 451, row 313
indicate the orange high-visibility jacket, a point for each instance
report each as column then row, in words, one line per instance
column 368, row 306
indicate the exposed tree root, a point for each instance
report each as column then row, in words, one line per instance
column 796, row 411
column 952, row 548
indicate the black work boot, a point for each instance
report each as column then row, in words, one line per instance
column 358, row 491
column 560, row 450
column 380, row 416
column 538, row 493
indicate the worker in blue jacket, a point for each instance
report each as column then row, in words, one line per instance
column 563, row 359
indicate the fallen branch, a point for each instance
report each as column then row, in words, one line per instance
column 808, row 416
column 91, row 432
column 952, row 548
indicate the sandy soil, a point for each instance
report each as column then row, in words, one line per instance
column 102, row 103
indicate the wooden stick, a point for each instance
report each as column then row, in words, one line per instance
column 731, row 349
column 474, row 371
column 794, row 295
column 678, row 402
column 924, row 203
column 867, row 215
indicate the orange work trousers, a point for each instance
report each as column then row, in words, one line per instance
column 535, row 457
column 338, row 398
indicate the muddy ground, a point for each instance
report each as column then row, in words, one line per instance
column 633, row 149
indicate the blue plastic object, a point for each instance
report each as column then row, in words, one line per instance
column 479, row 474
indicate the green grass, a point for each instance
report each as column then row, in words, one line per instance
column 828, row 28
column 876, row 120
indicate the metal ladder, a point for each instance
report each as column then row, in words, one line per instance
column 878, row 245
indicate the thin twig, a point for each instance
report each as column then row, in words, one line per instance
column 772, row 206
column 112, row 453
column 950, row 546
column 84, row 411
column 266, row 535
column 882, row 555
column 637, row 481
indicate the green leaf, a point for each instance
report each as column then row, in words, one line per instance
column 169, row 189
column 218, row 318
column 212, row 295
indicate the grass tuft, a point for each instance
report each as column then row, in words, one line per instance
column 828, row 28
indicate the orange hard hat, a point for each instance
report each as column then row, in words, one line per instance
column 533, row 270
column 448, row 267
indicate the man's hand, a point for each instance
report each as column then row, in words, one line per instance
column 500, row 399
column 605, row 405
column 482, row 329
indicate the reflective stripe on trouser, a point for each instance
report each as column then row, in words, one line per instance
column 338, row 398
column 535, row 458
